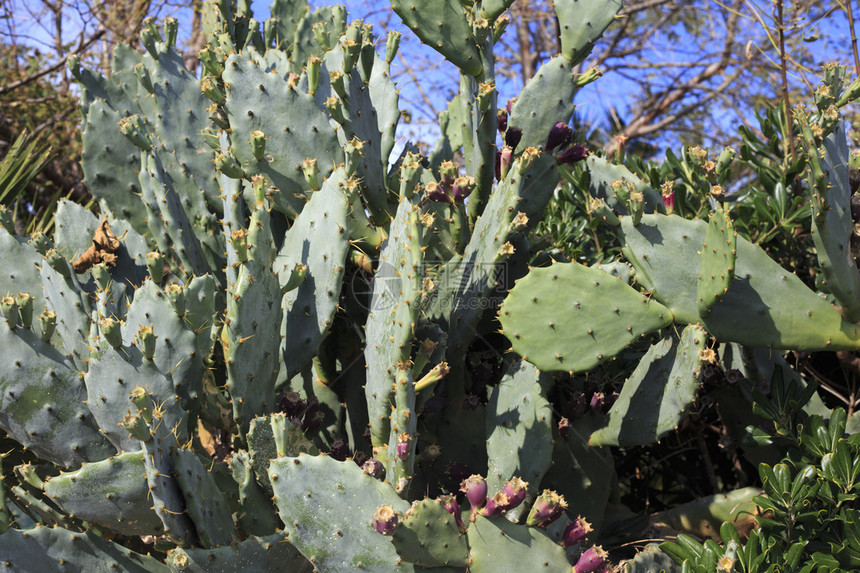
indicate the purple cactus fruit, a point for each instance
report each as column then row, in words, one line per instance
column 374, row 468
column 510, row 104
column 403, row 446
column 471, row 401
column 502, row 120
column 575, row 532
column 313, row 422
column 339, row 450
column 591, row 560
column 578, row 404
column 505, row 158
column 292, row 405
column 463, row 186
column 385, row 520
column 495, row 505
column 457, row 471
column 572, row 154
column 359, row 458
column 734, row 376
column 610, row 400
column 597, row 401
column 516, row 490
column 559, row 136
column 564, row 427
column 436, row 192
column 512, row 137
column 668, row 195
column 547, row 508
column 475, row 488
column 449, row 502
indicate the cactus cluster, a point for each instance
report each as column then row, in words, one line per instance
column 265, row 281
column 273, row 344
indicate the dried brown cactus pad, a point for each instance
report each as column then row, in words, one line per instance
column 103, row 250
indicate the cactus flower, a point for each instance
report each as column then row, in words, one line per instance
column 575, row 532
column 559, row 136
column 516, row 490
column 591, row 560
column 572, row 154
column 547, row 508
column 385, row 520
column 475, row 488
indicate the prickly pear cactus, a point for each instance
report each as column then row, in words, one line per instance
column 271, row 348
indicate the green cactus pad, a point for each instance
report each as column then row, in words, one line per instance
column 519, row 428
column 176, row 345
column 20, row 263
column 765, row 305
column 205, row 503
column 270, row 553
column 200, row 304
column 600, row 317
column 657, row 395
column 257, row 514
column 177, row 113
column 65, row 297
column 164, row 490
column 74, row 229
column 112, row 493
column 650, row 560
column 253, row 96
column 110, row 163
column 55, row 549
column 112, row 375
column 583, row 474
column 492, row 9
column 389, row 327
column 546, row 99
column 328, row 506
column 717, row 263
column 251, row 336
column 318, row 240
column 470, row 278
column 287, row 15
column 428, row 535
column 305, row 43
column 42, row 402
column 602, row 174
column 442, row 25
column 261, row 447
column 362, row 109
column 496, row 544
column 832, row 225
column 192, row 238
column 581, row 23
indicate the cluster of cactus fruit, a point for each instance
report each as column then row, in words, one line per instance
column 267, row 281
